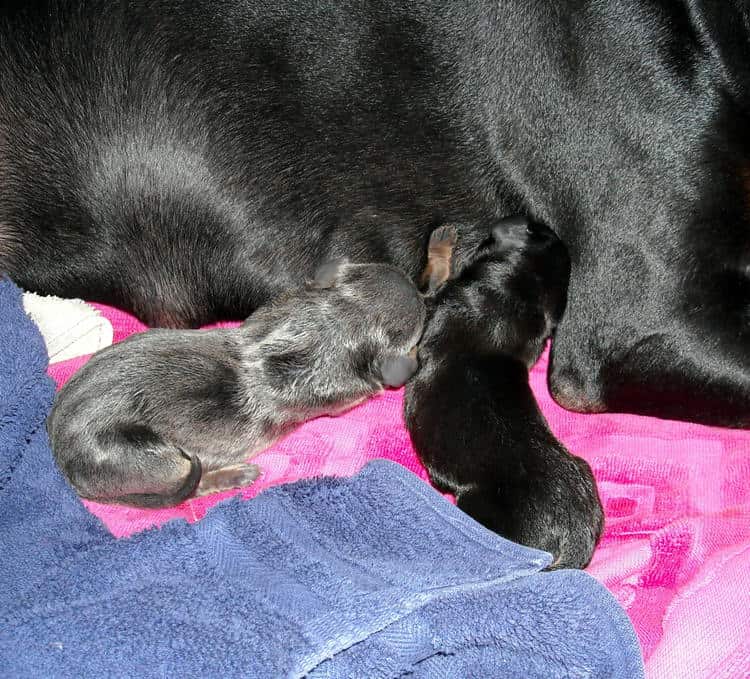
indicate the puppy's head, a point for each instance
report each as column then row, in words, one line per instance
column 539, row 253
column 382, row 310
column 518, row 257
column 384, row 293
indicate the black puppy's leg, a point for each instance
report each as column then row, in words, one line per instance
column 547, row 500
column 227, row 478
column 133, row 465
column 478, row 430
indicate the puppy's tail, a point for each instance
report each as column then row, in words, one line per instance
column 130, row 464
column 173, row 494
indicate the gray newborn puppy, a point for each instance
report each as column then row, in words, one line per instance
column 168, row 414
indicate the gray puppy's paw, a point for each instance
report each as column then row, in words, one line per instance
column 227, row 478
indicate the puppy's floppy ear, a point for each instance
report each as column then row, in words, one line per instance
column 328, row 273
column 439, row 258
column 396, row 371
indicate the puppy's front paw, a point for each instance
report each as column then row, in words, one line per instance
column 227, row 478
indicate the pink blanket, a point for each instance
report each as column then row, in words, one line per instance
column 676, row 549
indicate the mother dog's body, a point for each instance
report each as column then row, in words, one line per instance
column 189, row 160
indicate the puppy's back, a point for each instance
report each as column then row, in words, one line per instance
column 466, row 412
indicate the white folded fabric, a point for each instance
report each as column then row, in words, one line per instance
column 70, row 327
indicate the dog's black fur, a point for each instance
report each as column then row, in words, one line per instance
column 470, row 411
column 190, row 160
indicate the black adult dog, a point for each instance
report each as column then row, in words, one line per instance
column 189, row 160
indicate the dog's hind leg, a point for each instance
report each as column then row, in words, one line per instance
column 693, row 364
column 131, row 464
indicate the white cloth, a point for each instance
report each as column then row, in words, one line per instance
column 70, row 327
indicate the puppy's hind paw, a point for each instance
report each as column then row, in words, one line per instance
column 227, row 478
column 558, row 511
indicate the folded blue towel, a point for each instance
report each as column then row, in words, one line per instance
column 374, row 576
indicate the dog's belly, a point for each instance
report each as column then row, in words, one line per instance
column 219, row 151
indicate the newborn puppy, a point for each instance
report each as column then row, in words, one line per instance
column 469, row 409
column 172, row 413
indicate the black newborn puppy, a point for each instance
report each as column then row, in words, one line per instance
column 470, row 411
column 171, row 413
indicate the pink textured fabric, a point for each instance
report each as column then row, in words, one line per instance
column 676, row 549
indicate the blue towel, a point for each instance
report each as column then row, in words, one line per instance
column 374, row 576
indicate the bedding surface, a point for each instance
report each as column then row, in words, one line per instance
column 676, row 547
column 373, row 575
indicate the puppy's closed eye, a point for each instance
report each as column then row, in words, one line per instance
column 512, row 232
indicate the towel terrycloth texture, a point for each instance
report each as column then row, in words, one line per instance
column 374, row 576
column 676, row 547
